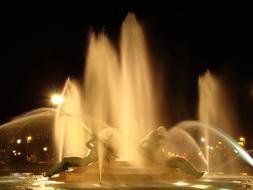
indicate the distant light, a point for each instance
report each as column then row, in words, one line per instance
column 28, row 139
column 45, row 148
column 19, row 141
column 19, row 153
column 203, row 139
column 242, row 139
column 219, row 142
column 14, row 151
column 56, row 99
column 241, row 143
column 211, row 147
column 236, row 151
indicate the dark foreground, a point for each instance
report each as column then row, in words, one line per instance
column 26, row 181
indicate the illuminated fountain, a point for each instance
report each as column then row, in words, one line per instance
column 215, row 109
column 118, row 92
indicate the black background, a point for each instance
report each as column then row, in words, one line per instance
column 43, row 44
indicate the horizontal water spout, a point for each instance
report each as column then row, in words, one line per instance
column 243, row 154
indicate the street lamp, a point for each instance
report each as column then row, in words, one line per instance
column 56, row 99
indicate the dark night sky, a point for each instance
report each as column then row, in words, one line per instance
column 41, row 47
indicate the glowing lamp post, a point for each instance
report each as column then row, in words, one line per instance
column 56, row 99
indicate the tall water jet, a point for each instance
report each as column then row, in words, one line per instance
column 101, row 81
column 101, row 85
column 69, row 133
column 214, row 109
column 119, row 91
column 137, row 107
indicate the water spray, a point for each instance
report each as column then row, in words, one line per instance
column 243, row 154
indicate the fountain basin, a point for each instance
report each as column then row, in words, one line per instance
column 118, row 172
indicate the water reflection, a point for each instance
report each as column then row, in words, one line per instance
column 21, row 182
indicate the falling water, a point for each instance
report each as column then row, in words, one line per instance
column 26, row 121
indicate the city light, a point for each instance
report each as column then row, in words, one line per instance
column 241, row 144
column 242, row 139
column 203, row 139
column 19, row 141
column 45, row 148
column 29, row 139
column 56, row 99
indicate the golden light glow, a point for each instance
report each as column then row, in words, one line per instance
column 56, row 99
column 203, row 139
column 242, row 139
column 19, row 141
column 200, row 186
column 45, row 149
column 29, row 139
column 241, row 143
column 180, row 183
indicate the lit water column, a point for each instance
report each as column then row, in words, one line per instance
column 205, row 106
